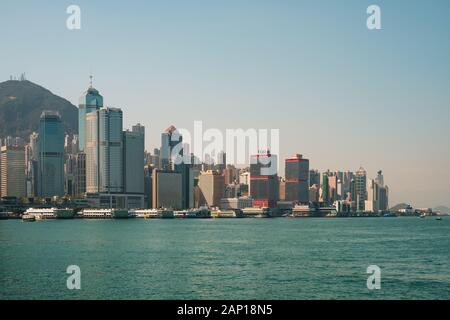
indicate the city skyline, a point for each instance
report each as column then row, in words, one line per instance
column 376, row 100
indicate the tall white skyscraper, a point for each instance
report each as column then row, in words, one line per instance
column 12, row 172
column 104, row 151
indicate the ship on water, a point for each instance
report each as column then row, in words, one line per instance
column 261, row 212
column 28, row 218
column 105, row 214
column 50, row 213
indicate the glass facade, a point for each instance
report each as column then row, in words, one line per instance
column 89, row 102
column 51, row 155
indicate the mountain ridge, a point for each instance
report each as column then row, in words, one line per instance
column 21, row 104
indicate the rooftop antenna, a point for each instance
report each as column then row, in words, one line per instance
column 90, row 78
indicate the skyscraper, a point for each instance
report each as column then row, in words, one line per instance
column 360, row 188
column 172, row 158
column 32, row 162
column 167, row 191
column 314, row 178
column 297, row 179
column 325, row 189
column 90, row 101
column 171, row 148
column 12, row 172
column 51, row 155
column 104, row 151
column 264, row 188
column 211, row 184
column 133, row 151
column 373, row 197
column 80, row 174
column 221, row 161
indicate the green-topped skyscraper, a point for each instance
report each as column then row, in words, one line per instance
column 89, row 102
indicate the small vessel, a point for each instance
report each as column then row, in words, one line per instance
column 389, row 215
column 438, row 218
column 28, row 218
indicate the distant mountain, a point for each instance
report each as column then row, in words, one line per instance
column 21, row 105
column 442, row 210
column 399, row 207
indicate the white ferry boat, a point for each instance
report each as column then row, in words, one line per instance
column 50, row 213
column 256, row 212
column 28, row 218
column 146, row 213
column 225, row 214
column 105, row 214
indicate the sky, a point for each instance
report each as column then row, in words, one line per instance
column 342, row 95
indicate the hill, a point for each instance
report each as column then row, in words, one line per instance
column 21, row 104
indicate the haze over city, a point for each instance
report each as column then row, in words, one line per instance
column 341, row 95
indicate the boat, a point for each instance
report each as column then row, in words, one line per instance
column 50, row 213
column 389, row 215
column 119, row 214
column 438, row 218
column 226, row 214
column 28, row 218
column 96, row 213
column 256, row 212
column 166, row 214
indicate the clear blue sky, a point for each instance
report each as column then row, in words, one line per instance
column 341, row 95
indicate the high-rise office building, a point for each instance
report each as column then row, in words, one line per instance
column 51, row 155
column 148, row 186
column 69, row 174
column 104, row 151
column 114, row 161
column 373, row 197
column 380, row 178
column 324, row 189
column 80, row 174
column 360, row 188
column 12, row 172
column 139, row 128
column 297, row 179
column 90, row 101
column 32, row 161
column 264, row 184
column 172, row 158
column 167, row 189
column 384, row 199
column 211, row 184
column 134, row 143
column 332, row 188
column 171, row 151
column 221, row 162
column 314, row 178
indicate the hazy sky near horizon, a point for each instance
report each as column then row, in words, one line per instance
column 341, row 95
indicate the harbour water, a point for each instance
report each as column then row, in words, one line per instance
column 226, row 258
